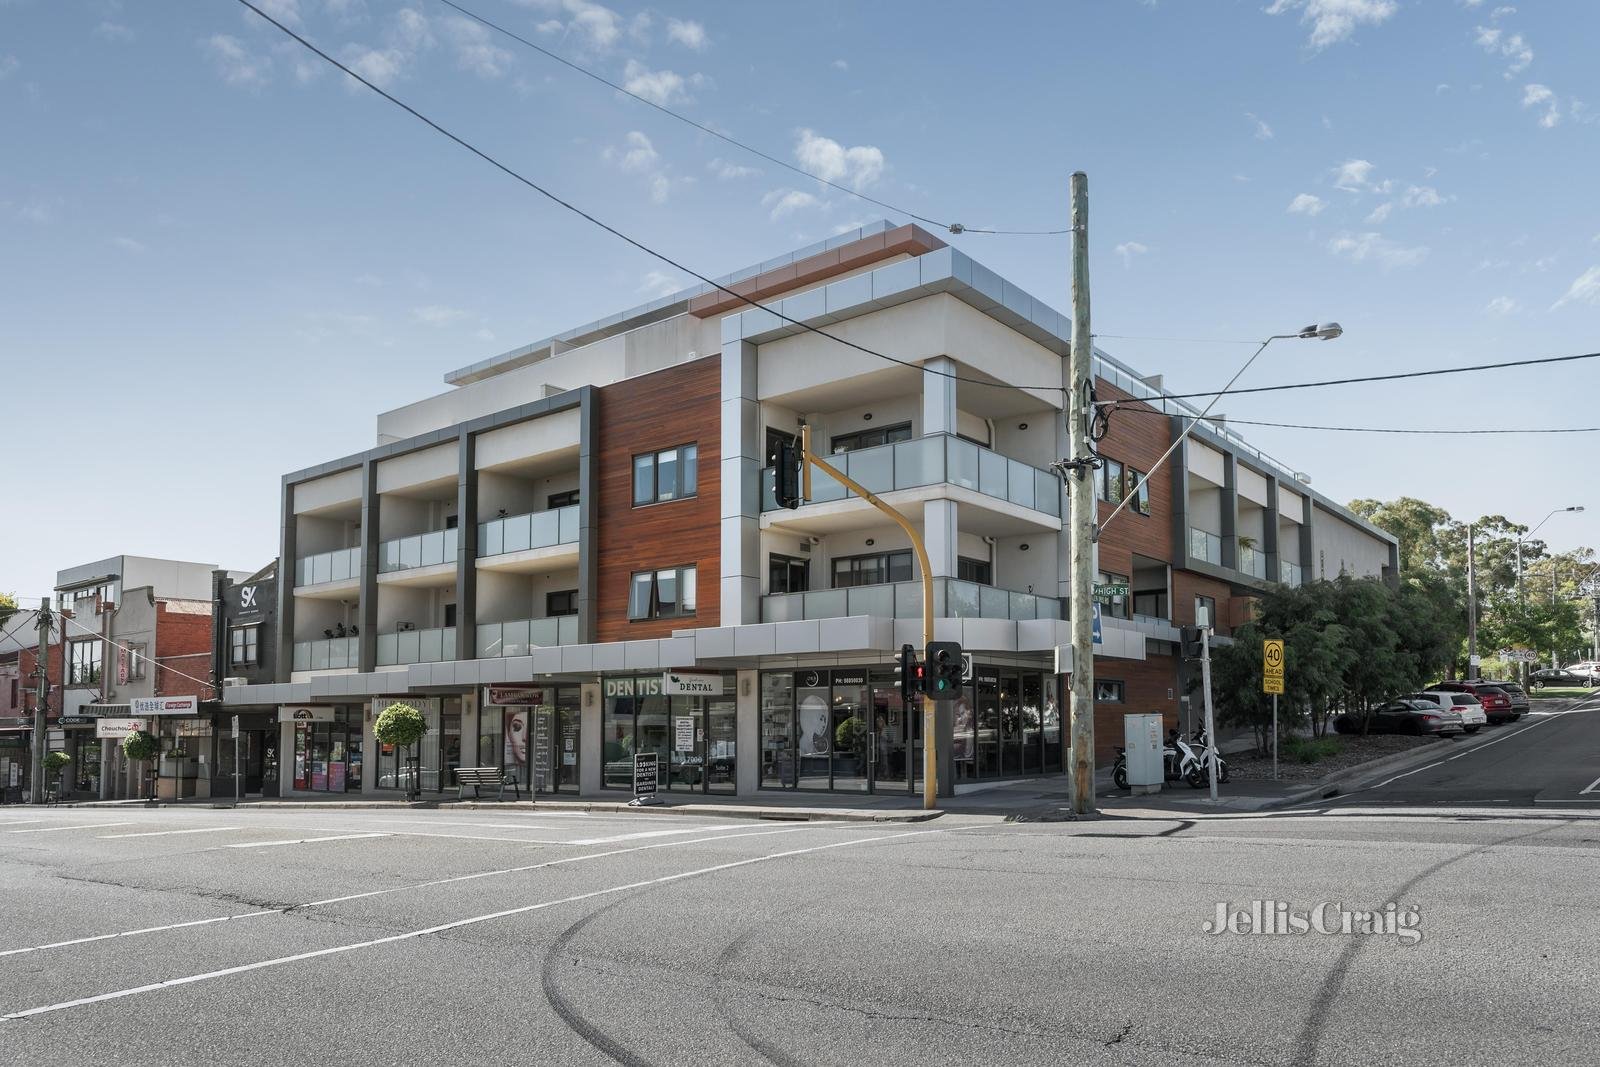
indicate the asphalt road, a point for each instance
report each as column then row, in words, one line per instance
column 403, row 937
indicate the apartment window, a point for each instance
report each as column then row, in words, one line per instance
column 666, row 475
column 1205, row 611
column 873, row 569
column 562, row 500
column 786, row 574
column 1141, row 495
column 137, row 658
column 449, row 615
column 662, row 594
column 1108, row 481
column 975, row 570
column 849, row 442
column 242, row 646
column 1107, row 692
column 563, row 603
column 83, row 667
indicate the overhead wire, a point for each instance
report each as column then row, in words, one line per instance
column 1129, row 406
column 634, row 242
column 952, row 227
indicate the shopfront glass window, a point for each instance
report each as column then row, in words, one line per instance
column 963, row 747
column 988, row 727
column 617, row 746
column 1010, row 725
column 568, row 699
column 850, row 735
column 1052, row 726
column 687, row 729
column 779, row 766
column 1032, row 721
column 490, row 728
column 815, row 735
column 516, row 727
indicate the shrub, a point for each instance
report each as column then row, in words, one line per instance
column 1309, row 749
column 142, row 745
column 401, row 725
column 56, row 761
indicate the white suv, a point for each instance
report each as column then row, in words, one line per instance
column 1465, row 704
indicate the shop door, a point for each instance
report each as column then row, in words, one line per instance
column 565, row 778
column 891, row 742
column 450, row 739
column 721, row 746
column 686, row 734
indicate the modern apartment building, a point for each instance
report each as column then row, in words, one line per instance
column 573, row 553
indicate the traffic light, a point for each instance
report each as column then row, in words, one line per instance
column 942, row 679
column 908, row 672
column 786, row 475
column 1192, row 648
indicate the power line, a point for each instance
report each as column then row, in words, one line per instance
column 1378, row 377
column 1179, row 340
column 952, row 227
column 1369, row 429
column 641, row 246
column 155, row 662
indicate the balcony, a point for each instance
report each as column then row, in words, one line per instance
column 340, row 567
column 429, row 558
column 518, row 638
column 933, row 460
column 417, row 646
column 1253, row 561
column 952, row 599
column 1205, row 545
column 536, row 532
column 337, row 653
column 1291, row 573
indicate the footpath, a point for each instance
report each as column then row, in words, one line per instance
column 1031, row 799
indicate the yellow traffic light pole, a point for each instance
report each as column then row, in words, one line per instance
column 930, row 761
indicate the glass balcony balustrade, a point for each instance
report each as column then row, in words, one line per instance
column 336, row 653
column 952, row 599
column 417, row 646
column 1205, row 545
column 419, row 550
column 340, row 565
column 518, row 638
column 518, row 533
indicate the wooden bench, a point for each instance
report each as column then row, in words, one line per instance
column 478, row 777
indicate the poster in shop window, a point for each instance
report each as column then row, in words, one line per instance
column 336, row 777
column 515, row 743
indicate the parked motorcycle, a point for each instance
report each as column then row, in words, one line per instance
column 1195, row 761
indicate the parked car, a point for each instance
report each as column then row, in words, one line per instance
column 1520, row 704
column 1561, row 676
column 1408, row 715
column 1466, row 705
column 1496, row 701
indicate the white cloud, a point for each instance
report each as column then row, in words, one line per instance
column 1376, row 248
column 783, row 202
column 829, row 160
column 1380, row 213
column 1306, row 204
column 1512, row 46
column 285, row 11
column 1263, row 131
column 437, row 315
column 41, row 211
column 1502, row 12
column 113, row 31
column 1534, row 95
column 551, row 26
column 411, row 31
column 128, row 244
column 688, row 33
column 236, row 63
column 840, row 64
column 1585, row 288
column 596, row 26
column 475, row 49
column 1503, row 305
column 657, row 86
column 639, row 154
column 8, row 65
column 1332, row 21
column 1353, row 175
column 1422, row 196
column 1128, row 250
column 483, row 333
column 728, row 171
column 379, row 66
column 659, row 283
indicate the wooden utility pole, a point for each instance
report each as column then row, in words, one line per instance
column 41, row 701
column 1080, row 469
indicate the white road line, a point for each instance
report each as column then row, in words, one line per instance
column 1592, row 788
column 1461, row 755
column 168, row 833
column 405, row 888
column 303, row 841
column 77, row 826
column 649, row 833
column 456, row 925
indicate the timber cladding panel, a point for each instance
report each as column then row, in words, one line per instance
column 1146, row 686
column 676, row 406
column 1137, row 439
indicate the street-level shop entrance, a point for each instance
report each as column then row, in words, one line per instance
column 532, row 732
column 695, row 738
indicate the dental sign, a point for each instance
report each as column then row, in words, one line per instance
column 686, row 683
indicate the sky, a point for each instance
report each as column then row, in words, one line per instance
column 220, row 259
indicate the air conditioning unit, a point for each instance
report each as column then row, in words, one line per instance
column 229, row 683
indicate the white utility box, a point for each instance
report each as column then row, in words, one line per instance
column 1142, row 742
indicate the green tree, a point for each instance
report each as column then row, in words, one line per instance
column 8, row 608
column 403, row 726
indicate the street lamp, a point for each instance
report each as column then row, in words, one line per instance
column 1530, row 533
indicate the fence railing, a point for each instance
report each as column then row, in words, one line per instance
column 952, row 599
column 518, row 533
column 1205, row 545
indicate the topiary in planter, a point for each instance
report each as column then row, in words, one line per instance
column 400, row 725
column 54, row 762
column 140, row 746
